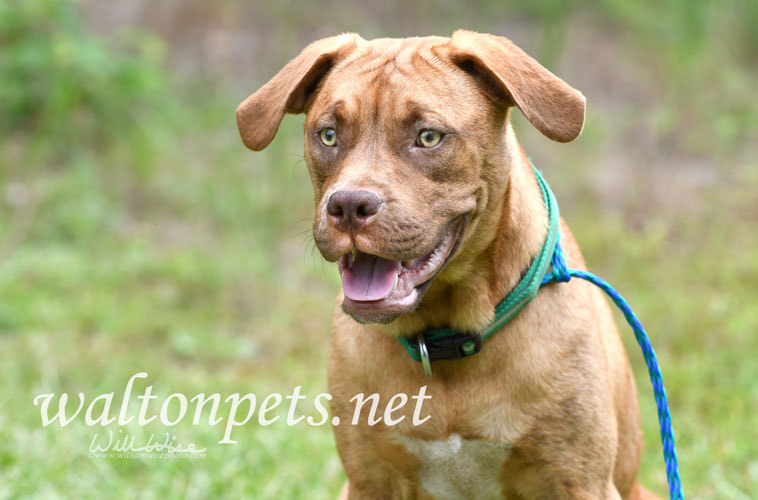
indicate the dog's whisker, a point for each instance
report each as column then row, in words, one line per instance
column 300, row 221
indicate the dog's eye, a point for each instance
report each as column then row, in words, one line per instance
column 328, row 136
column 428, row 138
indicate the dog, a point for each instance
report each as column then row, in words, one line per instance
column 431, row 209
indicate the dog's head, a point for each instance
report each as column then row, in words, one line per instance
column 405, row 144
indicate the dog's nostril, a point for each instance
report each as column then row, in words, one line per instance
column 334, row 205
column 334, row 209
column 353, row 207
column 363, row 211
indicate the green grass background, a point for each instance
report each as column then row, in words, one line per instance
column 137, row 233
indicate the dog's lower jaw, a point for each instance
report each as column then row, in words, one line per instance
column 386, row 310
column 386, row 316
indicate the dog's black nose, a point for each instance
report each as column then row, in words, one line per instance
column 351, row 210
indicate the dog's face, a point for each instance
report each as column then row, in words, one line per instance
column 404, row 141
column 395, row 160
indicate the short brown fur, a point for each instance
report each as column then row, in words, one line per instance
column 554, row 386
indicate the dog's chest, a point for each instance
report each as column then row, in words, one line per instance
column 458, row 468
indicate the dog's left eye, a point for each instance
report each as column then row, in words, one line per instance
column 328, row 136
column 428, row 138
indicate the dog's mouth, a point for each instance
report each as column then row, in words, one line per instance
column 377, row 290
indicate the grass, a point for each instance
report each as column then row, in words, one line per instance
column 162, row 245
column 198, row 294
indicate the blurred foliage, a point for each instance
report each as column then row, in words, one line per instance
column 66, row 91
column 706, row 54
column 137, row 233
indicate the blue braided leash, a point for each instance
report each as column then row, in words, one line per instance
column 561, row 273
column 445, row 343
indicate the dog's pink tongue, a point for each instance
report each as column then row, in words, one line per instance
column 370, row 277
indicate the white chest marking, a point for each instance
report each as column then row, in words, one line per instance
column 459, row 468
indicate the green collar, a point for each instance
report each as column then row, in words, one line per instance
column 435, row 344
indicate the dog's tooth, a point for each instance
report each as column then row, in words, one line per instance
column 397, row 280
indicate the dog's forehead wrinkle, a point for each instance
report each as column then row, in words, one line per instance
column 392, row 55
column 392, row 83
column 373, row 55
column 335, row 109
column 419, row 111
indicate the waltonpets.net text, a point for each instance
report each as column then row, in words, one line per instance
column 236, row 409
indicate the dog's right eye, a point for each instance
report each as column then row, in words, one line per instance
column 328, row 136
column 428, row 138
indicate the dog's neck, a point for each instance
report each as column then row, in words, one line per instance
column 465, row 294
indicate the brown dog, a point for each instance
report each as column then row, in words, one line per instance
column 429, row 205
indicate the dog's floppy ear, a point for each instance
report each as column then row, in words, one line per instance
column 259, row 115
column 549, row 103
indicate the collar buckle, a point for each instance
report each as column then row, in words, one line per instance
column 449, row 347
